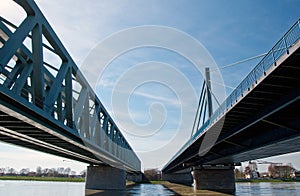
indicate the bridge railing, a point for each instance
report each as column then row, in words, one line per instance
column 37, row 71
column 282, row 47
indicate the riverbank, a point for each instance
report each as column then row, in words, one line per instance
column 187, row 190
column 35, row 178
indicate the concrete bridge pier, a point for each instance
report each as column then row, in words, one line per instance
column 216, row 178
column 135, row 177
column 104, row 177
column 179, row 178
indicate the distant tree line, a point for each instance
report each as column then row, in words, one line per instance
column 41, row 172
column 152, row 174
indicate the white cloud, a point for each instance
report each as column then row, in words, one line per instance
column 168, row 100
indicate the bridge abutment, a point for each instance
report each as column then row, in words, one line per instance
column 216, row 178
column 103, row 177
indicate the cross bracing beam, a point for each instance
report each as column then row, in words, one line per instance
column 56, row 93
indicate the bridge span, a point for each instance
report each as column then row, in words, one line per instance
column 46, row 103
column 259, row 119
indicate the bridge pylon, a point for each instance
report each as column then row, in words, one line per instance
column 205, row 106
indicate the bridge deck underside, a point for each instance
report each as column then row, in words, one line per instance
column 266, row 122
column 16, row 131
column 18, row 128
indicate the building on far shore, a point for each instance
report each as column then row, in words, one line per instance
column 251, row 171
column 281, row 171
column 297, row 174
column 275, row 170
column 31, row 174
column 264, row 174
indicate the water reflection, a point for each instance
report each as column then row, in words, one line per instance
column 104, row 193
column 149, row 190
column 136, row 190
column 267, row 188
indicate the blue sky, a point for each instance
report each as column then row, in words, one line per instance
column 230, row 31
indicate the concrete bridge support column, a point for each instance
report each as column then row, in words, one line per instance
column 179, row 178
column 216, row 178
column 135, row 177
column 103, row 177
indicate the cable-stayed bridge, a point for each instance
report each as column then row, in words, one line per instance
column 260, row 118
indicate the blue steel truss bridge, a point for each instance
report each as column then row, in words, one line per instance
column 48, row 105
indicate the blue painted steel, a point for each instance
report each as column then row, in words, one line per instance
column 58, row 92
column 281, row 47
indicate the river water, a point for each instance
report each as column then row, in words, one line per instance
column 36, row 188
column 268, row 188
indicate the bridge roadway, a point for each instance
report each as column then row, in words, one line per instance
column 261, row 118
column 46, row 104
